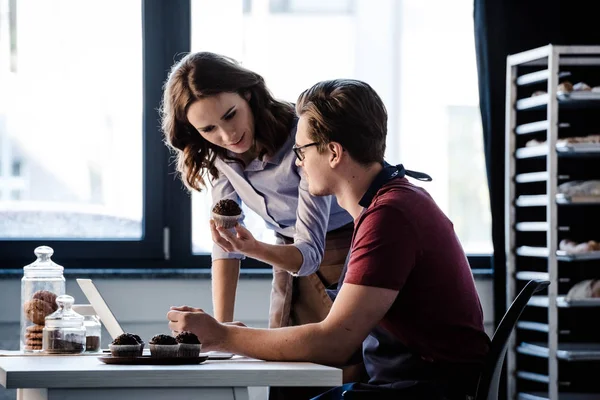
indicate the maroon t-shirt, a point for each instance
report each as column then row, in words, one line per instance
column 404, row 242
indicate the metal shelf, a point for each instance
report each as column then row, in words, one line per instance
column 532, row 103
column 533, row 326
column 529, row 275
column 575, row 149
column 537, row 227
column 540, row 200
column 532, row 177
column 538, row 77
column 531, row 152
column 563, row 150
column 583, row 200
column 591, row 255
column 545, row 125
column 532, row 376
column 563, row 396
column 531, row 226
column 565, row 351
column 561, row 302
column 530, row 251
column 538, row 126
column 537, row 200
column 578, row 99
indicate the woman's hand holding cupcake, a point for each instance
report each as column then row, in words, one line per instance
column 241, row 241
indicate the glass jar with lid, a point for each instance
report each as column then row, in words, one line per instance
column 93, row 327
column 42, row 282
column 64, row 332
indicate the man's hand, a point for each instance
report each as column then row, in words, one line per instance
column 241, row 241
column 210, row 332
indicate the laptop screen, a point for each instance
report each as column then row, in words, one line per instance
column 95, row 298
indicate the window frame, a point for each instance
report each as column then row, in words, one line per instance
column 167, row 206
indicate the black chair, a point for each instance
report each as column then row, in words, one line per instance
column 489, row 381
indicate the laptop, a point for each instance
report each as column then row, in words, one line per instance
column 110, row 322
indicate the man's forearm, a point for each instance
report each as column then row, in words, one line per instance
column 283, row 256
column 310, row 342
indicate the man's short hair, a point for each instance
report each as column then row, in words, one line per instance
column 349, row 112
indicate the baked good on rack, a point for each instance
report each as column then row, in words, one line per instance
column 586, row 289
column 565, row 87
column 571, row 247
column 534, row 142
column 581, row 87
column 580, row 188
column 579, row 139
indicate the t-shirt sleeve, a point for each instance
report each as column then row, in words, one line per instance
column 384, row 249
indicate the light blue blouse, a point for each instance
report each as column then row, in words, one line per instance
column 276, row 190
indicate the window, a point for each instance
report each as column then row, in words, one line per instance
column 421, row 63
column 73, row 111
column 83, row 166
column 311, row 6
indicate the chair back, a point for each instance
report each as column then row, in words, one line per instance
column 489, row 381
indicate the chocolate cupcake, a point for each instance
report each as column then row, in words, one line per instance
column 226, row 213
column 189, row 345
column 141, row 342
column 126, row 345
column 163, row 346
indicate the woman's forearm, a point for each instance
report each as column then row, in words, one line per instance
column 283, row 256
column 225, row 275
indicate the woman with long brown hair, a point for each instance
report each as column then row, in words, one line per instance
column 229, row 132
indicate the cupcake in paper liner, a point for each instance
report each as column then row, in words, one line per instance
column 141, row 342
column 125, row 345
column 227, row 213
column 189, row 344
column 163, row 346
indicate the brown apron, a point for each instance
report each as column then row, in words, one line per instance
column 303, row 300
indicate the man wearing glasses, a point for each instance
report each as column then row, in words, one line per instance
column 407, row 293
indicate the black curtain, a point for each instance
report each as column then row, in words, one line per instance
column 504, row 27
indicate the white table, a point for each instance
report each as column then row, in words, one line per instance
column 77, row 377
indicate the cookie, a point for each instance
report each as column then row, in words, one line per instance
column 34, row 329
column 33, row 335
column 27, row 347
column 46, row 296
column 36, row 311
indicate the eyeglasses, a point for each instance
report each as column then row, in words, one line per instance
column 299, row 150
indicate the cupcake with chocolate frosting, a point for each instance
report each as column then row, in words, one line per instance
column 189, row 344
column 163, row 346
column 126, row 345
column 226, row 213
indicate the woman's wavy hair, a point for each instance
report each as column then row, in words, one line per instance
column 204, row 74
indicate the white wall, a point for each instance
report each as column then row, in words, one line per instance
column 141, row 305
